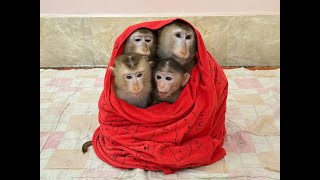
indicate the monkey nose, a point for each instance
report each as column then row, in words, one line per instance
column 136, row 89
column 145, row 50
column 183, row 52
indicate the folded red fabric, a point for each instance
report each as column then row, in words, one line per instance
column 167, row 137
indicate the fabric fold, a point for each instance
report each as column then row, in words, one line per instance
column 166, row 137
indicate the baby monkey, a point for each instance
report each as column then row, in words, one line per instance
column 169, row 77
column 142, row 41
column 178, row 40
column 132, row 79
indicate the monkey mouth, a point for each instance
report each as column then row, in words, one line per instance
column 163, row 94
column 145, row 53
column 135, row 93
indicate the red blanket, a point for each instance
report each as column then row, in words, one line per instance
column 167, row 137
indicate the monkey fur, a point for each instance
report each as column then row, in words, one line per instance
column 132, row 79
column 142, row 41
column 178, row 40
column 169, row 78
column 131, row 65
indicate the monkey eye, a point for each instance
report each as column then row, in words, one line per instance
column 139, row 75
column 178, row 35
column 188, row 37
column 168, row 78
column 128, row 77
column 148, row 39
column 158, row 77
column 137, row 40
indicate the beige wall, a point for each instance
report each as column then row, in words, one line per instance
column 133, row 8
column 81, row 33
column 88, row 41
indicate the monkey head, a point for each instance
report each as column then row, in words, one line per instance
column 177, row 40
column 142, row 41
column 169, row 77
column 132, row 73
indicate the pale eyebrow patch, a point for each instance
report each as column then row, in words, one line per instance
column 178, row 30
column 166, row 72
column 126, row 71
column 138, row 34
column 190, row 34
column 139, row 72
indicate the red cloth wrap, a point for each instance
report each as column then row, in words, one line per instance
column 167, row 137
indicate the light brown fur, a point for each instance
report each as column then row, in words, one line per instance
column 142, row 41
column 178, row 40
column 168, row 90
column 137, row 90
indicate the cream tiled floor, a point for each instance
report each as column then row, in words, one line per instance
column 69, row 109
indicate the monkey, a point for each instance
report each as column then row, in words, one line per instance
column 132, row 79
column 178, row 40
column 85, row 146
column 142, row 41
column 169, row 79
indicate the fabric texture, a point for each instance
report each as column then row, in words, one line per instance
column 166, row 137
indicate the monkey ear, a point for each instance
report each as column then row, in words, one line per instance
column 186, row 78
column 111, row 68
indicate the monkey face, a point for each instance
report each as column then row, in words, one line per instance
column 134, row 82
column 167, row 83
column 140, row 43
column 178, row 40
column 184, row 41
